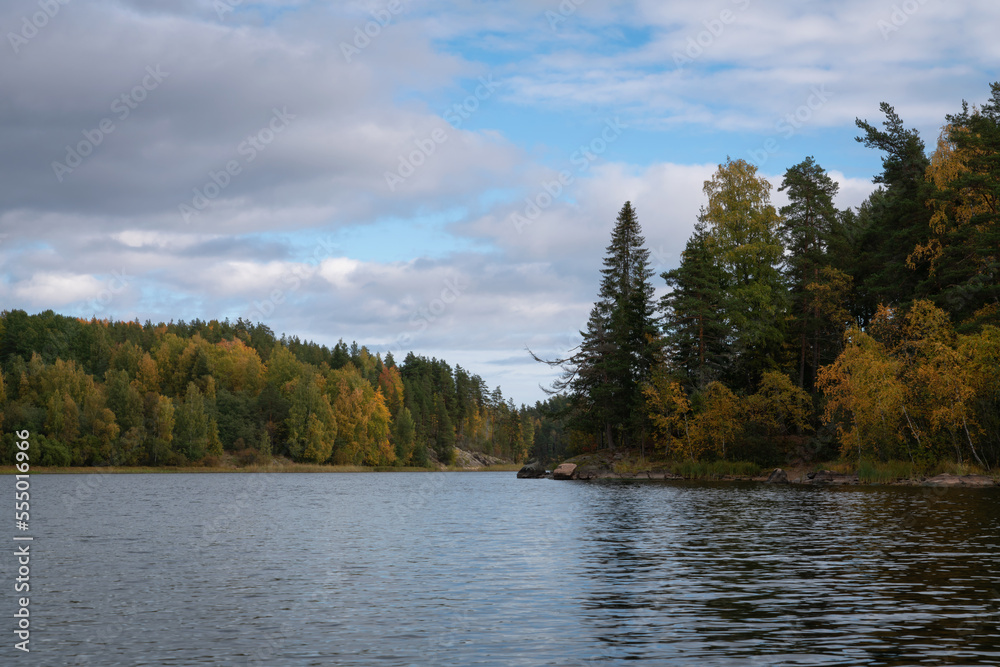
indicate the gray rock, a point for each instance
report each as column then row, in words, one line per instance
column 531, row 470
column 830, row 477
column 955, row 480
column 779, row 476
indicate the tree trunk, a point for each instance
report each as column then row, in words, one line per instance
column 802, row 362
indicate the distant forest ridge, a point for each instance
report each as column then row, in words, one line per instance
column 800, row 334
column 103, row 392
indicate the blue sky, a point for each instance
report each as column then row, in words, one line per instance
column 277, row 161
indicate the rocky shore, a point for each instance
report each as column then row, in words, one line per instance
column 608, row 466
column 476, row 460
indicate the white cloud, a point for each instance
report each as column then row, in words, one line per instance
column 251, row 244
column 48, row 290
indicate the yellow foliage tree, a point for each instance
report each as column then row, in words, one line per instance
column 668, row 408
column 912, row 379
column 778, row 406
column 237, row 367
column 719, row 424
column 363, row 419
column 865, row 397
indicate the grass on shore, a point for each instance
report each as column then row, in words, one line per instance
column 868, row 472
column 691, row 469
column 716, row 469
column 884, row 472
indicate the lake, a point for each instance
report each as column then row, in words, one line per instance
column 485, row 569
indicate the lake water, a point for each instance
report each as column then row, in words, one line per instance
column 486, row 569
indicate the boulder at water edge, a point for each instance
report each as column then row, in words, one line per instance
column 959, row 480
column 779, row 476
column 564, row 471
column 532, row 470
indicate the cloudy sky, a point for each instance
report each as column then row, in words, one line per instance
column 434, row 176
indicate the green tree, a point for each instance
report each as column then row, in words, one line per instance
column 191, row 424
column 807, row 223
column 743, row 227
column 616, row 355
column 898, row 218
column 444, row 433
column 213, row 445
column 963, row 252
column 403, row 435
column 695, row 332
column 312, row 426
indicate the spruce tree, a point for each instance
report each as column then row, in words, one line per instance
column 606, row 374
column 696, row 334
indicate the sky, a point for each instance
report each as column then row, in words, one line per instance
column 441, row 177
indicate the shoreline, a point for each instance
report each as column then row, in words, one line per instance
column 620, row 466
column 292, row 468
column 230, row 462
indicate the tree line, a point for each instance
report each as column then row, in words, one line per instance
column 103, row 392
column 871, row 333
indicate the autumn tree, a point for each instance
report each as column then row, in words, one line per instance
column 743, row 230
column 363, row 421
column 911, row 387
column 670, row 412
column 962, row 252
column 719, row 425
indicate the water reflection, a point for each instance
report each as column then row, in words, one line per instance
column 485, row 569
column 785, row 575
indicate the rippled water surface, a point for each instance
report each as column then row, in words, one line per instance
column 486, row 569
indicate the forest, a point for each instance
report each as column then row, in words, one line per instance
column 105, row 393
column 808, row 333
column 804, row 333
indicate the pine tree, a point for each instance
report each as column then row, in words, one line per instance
column 963, row 253
column 898, row 217
column 807, row 223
